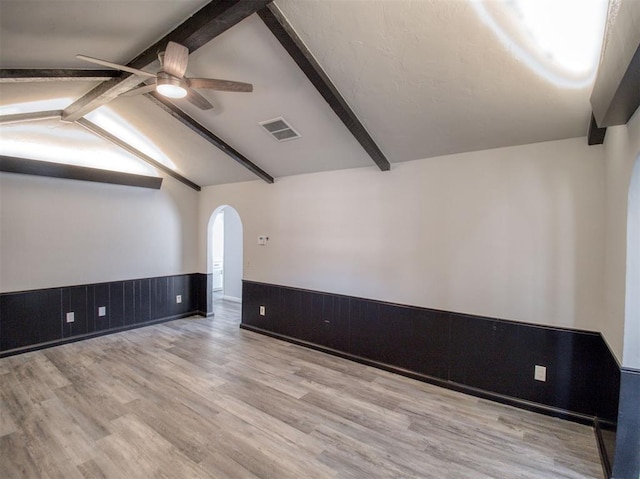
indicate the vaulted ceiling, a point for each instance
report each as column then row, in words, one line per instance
column 424, row 78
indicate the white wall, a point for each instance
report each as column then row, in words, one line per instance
column 514, row 233
column 232, row 254
column 622, row 147
column 57, row 232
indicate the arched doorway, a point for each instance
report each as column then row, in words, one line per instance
column 627, row 453
column 225, row 254
column 631, row 353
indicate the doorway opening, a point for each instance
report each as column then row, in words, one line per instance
column 631, row 351
column 225, row 244
column 217, row 253
column 626, row 462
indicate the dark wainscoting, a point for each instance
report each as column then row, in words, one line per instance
column 627, row 453
column 204, row 296
column 34, row 319
column 609, row 396
column 486, row 357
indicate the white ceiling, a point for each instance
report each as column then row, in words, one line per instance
column 426, row 78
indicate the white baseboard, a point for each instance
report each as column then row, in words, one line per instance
column 233, row 299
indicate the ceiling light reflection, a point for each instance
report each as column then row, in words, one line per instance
column 33, row 106
column 559, row 39
column 48, row 141
column 55, row 141
column 109, row 120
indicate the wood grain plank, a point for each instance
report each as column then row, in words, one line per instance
column 15, row 460
column 199, row 397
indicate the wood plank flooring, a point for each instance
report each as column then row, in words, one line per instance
column 200, row 398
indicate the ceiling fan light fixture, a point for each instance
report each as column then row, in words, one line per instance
column 170, row 81
column 170, row 87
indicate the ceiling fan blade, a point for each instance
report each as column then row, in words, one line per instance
column 198, row 100
column 220, row 85
column 115, row 66
column 140, row 90
column 175, row 60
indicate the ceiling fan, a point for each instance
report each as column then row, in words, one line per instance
column 170, row 80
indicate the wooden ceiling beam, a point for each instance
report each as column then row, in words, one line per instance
column 31, row 116
column 21, row 75
column 285, row 34
column 96, row 130
column 210, row 21
column 615, row 100
column 203, row 26
column 595, row 136
column 25, row 166
column 615, row 95
column 100, row 95
column 216, row 141
column 102, row 133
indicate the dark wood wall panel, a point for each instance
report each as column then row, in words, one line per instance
column 75, row 300
column 627, row 452
column 609, row 380
column 202, row 284
column 573, row 379
column 338, row 317
column 46, row 313
column 17, row 330
column 311, row 315
column 289, row 314
column 116, row 304
column 184, row 286
column 99, row 294
column 39, row 317
column 251, row 296
column 484, row 355
column 159, row 297
column 129, row 288
column 363, row 319
column 426, row 334
column 468, row 352
column 142, row 304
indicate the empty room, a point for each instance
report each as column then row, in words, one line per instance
column 320, row 239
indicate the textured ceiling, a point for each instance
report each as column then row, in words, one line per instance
column 48, row 33
column 426, row 78
column 431, row 78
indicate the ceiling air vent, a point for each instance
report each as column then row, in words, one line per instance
column 280, row 129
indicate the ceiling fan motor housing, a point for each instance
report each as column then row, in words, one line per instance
column 171, row 86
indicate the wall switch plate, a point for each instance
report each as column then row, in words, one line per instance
column 71, row 317
column 540, row 373
column 102, row 311
column 263, row 310
column 179, row 298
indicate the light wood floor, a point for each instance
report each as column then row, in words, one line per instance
column 201, row 398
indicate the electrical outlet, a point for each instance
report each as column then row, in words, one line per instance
column 102, row 311
column 179, row 298
column 71, row 317
column 263, row 311
column 540, row 373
